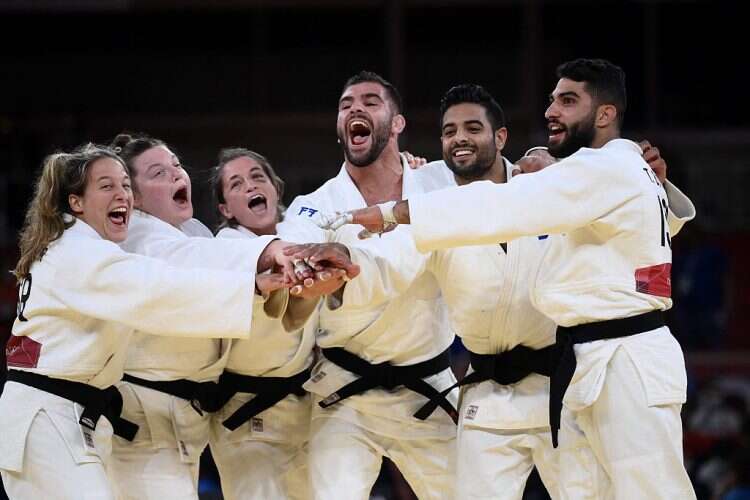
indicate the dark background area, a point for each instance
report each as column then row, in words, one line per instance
column 267, row 75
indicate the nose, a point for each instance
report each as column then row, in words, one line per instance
column 121, row 193
column 460, row 136
column 551, row 110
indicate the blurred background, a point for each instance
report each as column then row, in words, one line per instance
column 266, row 75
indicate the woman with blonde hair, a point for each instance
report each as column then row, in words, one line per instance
column 80, row 299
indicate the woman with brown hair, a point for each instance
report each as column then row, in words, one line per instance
column 81, row 297
column 259, row 438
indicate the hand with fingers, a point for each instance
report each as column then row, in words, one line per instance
column 533, row 160
column 331, row 263
column 415, row 162
column 655, row 161
column 266, row 283
column 294, row 270
column 377, row 219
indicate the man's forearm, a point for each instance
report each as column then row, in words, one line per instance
column 401, row 212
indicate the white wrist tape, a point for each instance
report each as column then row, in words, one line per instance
column 386, row 210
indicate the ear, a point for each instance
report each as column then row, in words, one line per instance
column 606, row 114
column 398, row 124
column 224, row 210
column 76, row 203
column 501, row 136
column 137, row 199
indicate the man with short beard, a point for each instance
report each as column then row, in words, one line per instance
column 381, row 361
column 618, row 377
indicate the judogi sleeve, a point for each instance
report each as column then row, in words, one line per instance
column 148, row 295
column 212, row 253
column 567, row 195
column 388, row 267
column 681, row 208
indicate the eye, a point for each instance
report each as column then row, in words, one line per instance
column 449, row 132
column 474, row 130
column 259, row 177
column 160, row 172
column 235, row 184
column 106, row 187
column 126, row 186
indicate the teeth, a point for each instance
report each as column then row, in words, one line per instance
column 355, row 123
column 257, row 196
column 121, row 210
column 462, row 152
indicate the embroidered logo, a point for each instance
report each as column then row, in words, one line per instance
column 256, row 424
column 307, row 210
column 318, row 376
column 471, row 412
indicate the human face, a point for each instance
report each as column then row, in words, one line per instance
column 469, row 145
column 570, row 118
column 364, row 122
column 107, row 199
column 250, row 196
column 162, row 186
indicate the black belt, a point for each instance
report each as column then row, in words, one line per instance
column 507, row 367
column 268, row 391
column 567, row 337
column 389, row 377
column 202, row 395
column 96, row 402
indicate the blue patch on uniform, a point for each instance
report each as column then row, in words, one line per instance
column 307, row 210
column 543, row 236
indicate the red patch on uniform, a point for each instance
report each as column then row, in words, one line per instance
column 654, row 280
column 22, row 352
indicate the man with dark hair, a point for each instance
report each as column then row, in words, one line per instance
column 384, row 359
column 618, row 376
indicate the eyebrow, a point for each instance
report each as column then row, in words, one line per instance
column 569, row 93
column 467, row 122
column 369, row 95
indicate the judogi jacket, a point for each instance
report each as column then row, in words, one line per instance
column 608, row 256
column 200, row 359
column 79, row 307
column 486, row 290
column 406, row 330
column 281, row 341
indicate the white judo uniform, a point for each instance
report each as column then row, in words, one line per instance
column 349, row 438
column 267, row 456
column 609, row 258
column 162, row 461
column 77, row 312
column 503, row 429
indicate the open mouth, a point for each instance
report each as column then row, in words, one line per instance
column 118, row 216
column 359, row 131
column 181, row 196
column 257, row 204
column 556, row 130
column 462, row 152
